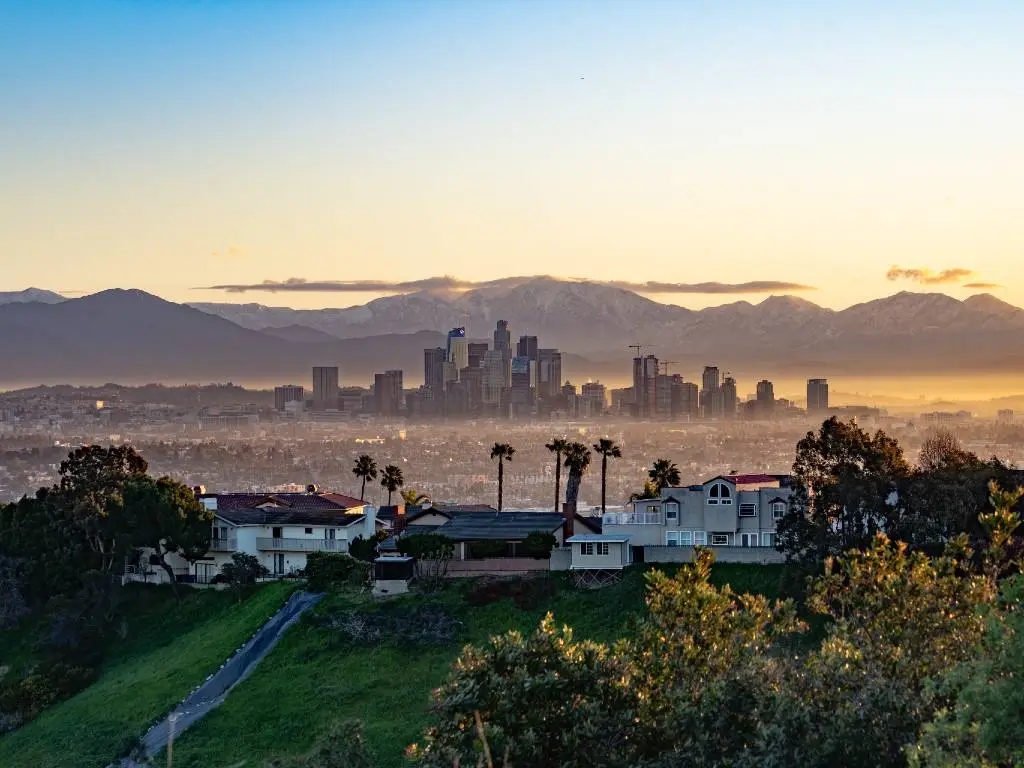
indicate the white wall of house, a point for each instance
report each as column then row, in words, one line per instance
column 594, row 555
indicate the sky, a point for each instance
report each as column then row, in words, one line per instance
column 842, row 151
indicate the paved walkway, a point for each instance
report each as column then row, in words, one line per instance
column 213, row 692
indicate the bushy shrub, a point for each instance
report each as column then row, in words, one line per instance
column 538, row 545
column 527, row 594
column 422, row 624
column 23, row 699
column 329, row 570
column 344, row 746
column 243, row 570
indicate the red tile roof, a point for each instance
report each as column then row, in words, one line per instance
column 325, row 501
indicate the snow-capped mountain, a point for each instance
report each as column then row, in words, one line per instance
column 29, row 295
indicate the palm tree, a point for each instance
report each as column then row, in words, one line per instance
column 392, row 479
column 606, row 448
column 414, row 498
column 502, row 452
column 650, row 491
column 557, row 447
column 365, row 467
column 664, row 474
column 577, row 461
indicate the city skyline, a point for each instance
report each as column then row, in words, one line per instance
column 854, row 149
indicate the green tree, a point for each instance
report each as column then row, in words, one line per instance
column 365, row 468
column 392, row 479
column 432, row 553
column 502, row 452
column 413, row 498
column 577, row 461
column 538, row 544
column 664, row 474
column 243, row 572
column 845, row 480
column 649, row 491
column 606, row 449
column 557, row 447
column 166, row 517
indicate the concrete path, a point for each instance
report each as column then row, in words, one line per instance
column 216, row 688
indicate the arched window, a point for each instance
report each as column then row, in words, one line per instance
column 719, row 494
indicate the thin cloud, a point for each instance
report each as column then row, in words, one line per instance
column 928, row 277
column 983, row 286
column 447, row 282
column 232, row 252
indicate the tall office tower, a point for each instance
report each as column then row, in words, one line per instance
column 670, row 396
column 458, row 348
column 710, row 393
column 477, row 350
column 472, row 380
column 527, row 347
column 689, row 400
column 433, row 368
column 817, row 395
column 325, row 387
column 503, row 344
column 549, row 373
column 594, row 392
column 521, row 396
column 729, row 399
column 289, row 393
column 492, row 383
column 645, row 385
column 765, row 397
column 387, row 392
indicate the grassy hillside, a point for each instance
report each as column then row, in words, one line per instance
column 317, row 676
column 168, row 648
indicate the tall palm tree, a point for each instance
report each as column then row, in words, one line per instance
column 577, row 461
column 557, row 447
column 365, row 467
column 606, row 449
column 414, row 498
column 392, row 480
column 664, row 474
column 502, row 452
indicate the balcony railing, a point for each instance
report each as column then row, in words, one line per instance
column 303, row 545
column 633, row 518
column 230, row 544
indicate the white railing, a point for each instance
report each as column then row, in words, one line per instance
column 230, row 544
column 633, row 518
column 303, row 545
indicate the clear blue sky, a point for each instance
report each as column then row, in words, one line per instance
column 173, row 145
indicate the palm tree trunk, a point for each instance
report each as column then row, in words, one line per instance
column 501, row 479
column 362, row 490
column 604, row 475
column 389, row 497
column 572, row 488
column 558, row 477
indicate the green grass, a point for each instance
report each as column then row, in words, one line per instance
column 312, row 679
column 169, row 648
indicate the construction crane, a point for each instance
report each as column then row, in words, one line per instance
column 638, row 347
column 667, row 363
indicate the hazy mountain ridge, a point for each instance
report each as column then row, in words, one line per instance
column 30, row 295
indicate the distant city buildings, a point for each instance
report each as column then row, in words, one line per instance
column 288, row 393
column 325, row 387
column 387, row 393
column 817, row 395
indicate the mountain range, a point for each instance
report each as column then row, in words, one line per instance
column 134, row 337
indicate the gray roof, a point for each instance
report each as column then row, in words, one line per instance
column 500, row 526
column 289, row 516
column 596, row 537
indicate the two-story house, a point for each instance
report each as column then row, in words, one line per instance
column 280, row 529
column 725, row 511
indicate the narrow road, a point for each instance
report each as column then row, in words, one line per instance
column 213, row 692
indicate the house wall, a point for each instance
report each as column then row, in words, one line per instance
column 615, row 559
column 497, row 566
column 431, row 518
column 561, row 558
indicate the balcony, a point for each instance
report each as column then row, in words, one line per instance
column 303, row 545
column 229, row 544
column 633, row 518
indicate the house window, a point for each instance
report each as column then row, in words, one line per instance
column 654, row 509
column 778, row 509
column 685, row 538
column 748, row 510
column 748, row 539
column 767, row 539
column 719, row 539
column 700, row 538
column 672, row 538
column 602, row 548
column 719, row 494
column 672, row 511
column 329, row 533
column 587, row 548
column 309, row 531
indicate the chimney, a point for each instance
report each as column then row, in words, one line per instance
column 370, row 522
column 399, row 525
column 569, row 518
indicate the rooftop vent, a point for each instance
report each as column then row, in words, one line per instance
column 312, row 488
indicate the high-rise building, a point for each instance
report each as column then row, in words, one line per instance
column 765, row 397
column 458, row 348
column 492, row 383
column 477, row 350
column 503, row 344
column 325, row 387
column 729, row 399
column 711, row 393
column 594, row 392
column 387, row 392
column 817, row 395
column 433, row 368
column 689, row 400
column 549, row 373
column 645, row 385
column 472, row 381
column 527, row 347
column 521, row 396
column 289, row 393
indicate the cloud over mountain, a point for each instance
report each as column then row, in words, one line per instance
column 927, row 276
column 447, row 282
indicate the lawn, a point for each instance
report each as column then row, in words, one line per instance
column 314, row 677
column 168, row 647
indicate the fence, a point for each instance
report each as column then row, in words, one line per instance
column 561, row 559
column 496, row 566
column 759, row 555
